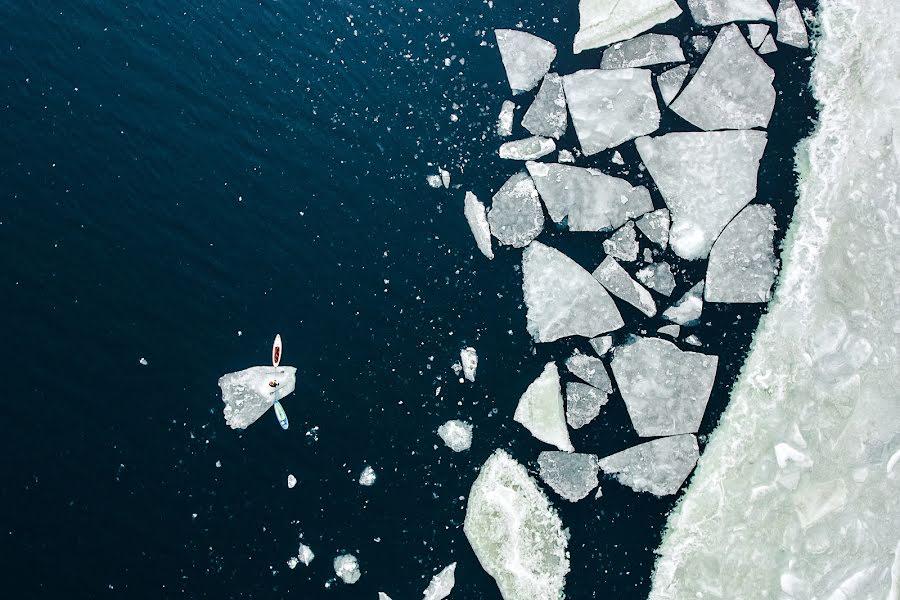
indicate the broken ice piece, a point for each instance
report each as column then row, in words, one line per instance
column 505, row 119
column 516, row 216
column 305, row 554
column 688, row 309
column 368, row 476
column 457, row 435
column 589, row 369
column 434, row 180
column 476, row 216
column 292, row 562
column 291, row 481
column 610, row 107
column 617, row 158
column 383, row 596
column 572, row 476
column 791, row 29
column 659, row 466
column 540, row 410
column 527, row 149
column 693, row 340
column 469, row 359
column 603, row 22
column 742, row 265
column 671, row 330
column 655, row 225
column 445, row 177
column 665, row 389
column 526, row 58
column 602, row 344
column 642, row 51
column 566, row 157
column 670, row 82
column 732, row 89
column 247, row 394
column 718, row 12
column 619, row 283
column 758, row 32
column 563, row 299
column 701, row 43
column 658, row 277
column 347, row 568
column 622, row 244
column 768, row 46
column 583, row 403
column 441, row 584
column 143, row 362
column 547, row 115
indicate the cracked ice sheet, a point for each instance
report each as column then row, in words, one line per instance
column 742, row 264
column 791, row 29
column 646, row 50
column 619, row 283
column 822, row 365
column 247, row 394
column 659, row 466
column 717, row 12
column 603, row 22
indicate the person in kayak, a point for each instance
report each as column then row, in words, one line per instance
column 273, row 383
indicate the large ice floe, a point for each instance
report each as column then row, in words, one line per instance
column 603, row 22
column 248, row 395
column 525, row 56
column 516, row 216
column 659, row 466
column 515, row 532
column 540, row 410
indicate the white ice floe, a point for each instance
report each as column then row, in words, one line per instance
column 619, row 283
column 589, row 369
column 602, row 344
column 732, row 89
column 742, row 265
column 718, row 12
column 247, row 394
column 791, row 29
column 670, row 82
column 588, row 199
column 526, row 57
column 445, row 177
column 622, row 244
column 347, row 568
column 505, row 118
column 527, row 149
column 705, row 178
column 143, row 362
column 689, row 307
column 655, row 226
column 572, row 476
column 701, row 43
column 457, row 435
column 516, row 216
column 768, row 46
column 610, row 107
column 383, row 596
column 604, row 22
column 658, row 277
column 758, row 33
column 540, row 410
column 434, row 180
column 292, row 562
column 515, row 532
column 368, row 476
column 468, row 358
column 642, row 51
column 305, row 554
column 547, row 115
column 693, row 340
column 671, row 330
column 583, row 403
column 476, row 216
column 441, row 584
column 617, row 158
column 291, row 481
column 659, row 466
column 563, row 298
column 665, row 389
column 566, row 157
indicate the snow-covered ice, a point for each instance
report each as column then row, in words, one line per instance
column 476, row 216
column 701, row 43
column 457, row 435
column 623, row 244
column 619, row 283
column 547, row 116
column 655, row 226
column 791, row 29
column 468, row 358
column 505, row 118
column 368, row 476
column 758, row 33
column 658, row 277
column 589, row 369
column 604, row 22
column 601, row 344
column 441, row 584
column 642, row 51
column 516, row 216
column 718, row 12
column 742, row 265
column 305, row 554
column 347, row 568
column 540, row 410
column 670, row 82
column 434, row 180
column 689, row 307
column 291, row 481
column 526, row 58
column 566, row 157
column 292, row 562
column 570, row 475
column 583, row 403
column 658, row 466
column 247, row 394
column 527, row 149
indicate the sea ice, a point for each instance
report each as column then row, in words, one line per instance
column 540, row 410
column 383, row 596
column 526, row 57
column 658, row 277
column 589, row 199
column 469, row 360
column 457, row 435
column 623, row 244
column 572, row 476
column 665, row 389
column 671, row 330
column 791, row 29
column 670, row 82
column 515, row 532
column 732, row 89
column 611, row 107
column 688, row 309
column 563, row 298
column 658, row 466
column 758, row 33
column 706, row 178
column 566, row 157
column 347, row 568
column 445, row 177
column 642, row 51
column 247, row 394
column 547, row 115
column 701, row 43
column 619, row 283
column 589, row 369
column 305, row 554
column 292, row 562
column 505, row 118
column 601, row 345
column 718, row 12
column 693, row 340
column 742, row 265
column 291, row 481
column 768, row 46
column 476, row 216
column 516, row 216
column 603, row 22
column 441, row 584
column 583, row 403
column 368, row 476
column 655, row 226
column 434, row 180
column 527, row 149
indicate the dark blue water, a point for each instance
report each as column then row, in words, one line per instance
column 172, row 174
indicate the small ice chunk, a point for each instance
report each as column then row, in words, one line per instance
column 732, row 89
column 572, row 476
column 457, row 435
column 718, row 12
column 590, row 199
column 292, row 562
column 515, row 533
column 589, row 369
column 642, row 51
column 305, row 554
column 658, row 277
column 540, row 410
column 527, row 149
column 701, row 43
column 655, row 226
column 445, row 177
column 526, row 58
column 247, row 394
column 768, row 46
column 602, row 344
column 693, row 340
column 617, row 158
column 291, row 481
column 563, row 298
column 441, row 584
column 368, row 476
column 547, row 115
column 619, row 283
column 791, row 29
column 583, row 403
column 566, row 157
column 688, row 309
column 623, row 244
column 143, row 362
column 758, row 33
column 603, row 22
column 670, row 82
column 665, row 389
column 476, row 216
column 434, row 180
column 347, row 568
column 469, row 360
column 383, row 596
column 505, row 118
column 670, row 330
column 611, row 107
column 516, row 216
column 659, row 466
column 742, row 265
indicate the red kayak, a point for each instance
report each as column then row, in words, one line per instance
column 276, row 350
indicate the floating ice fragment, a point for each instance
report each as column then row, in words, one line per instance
column 659, row 466
column 742, row 265
column 665, row 389
column 305, row 554
column 670, row 330
column 693, row 340
column 143, row 362
column 383, row 596
column 247, row 394
column 670, row 82
column 291, row 481
column 589, row 369
column 515, row 532
column 602, row 344
column 566, row 157
column 623, row 244
column 527, row 149
column 791, row 29
column 700, row 43
column 445, row 177
column 563, row 299
column 731, row 90
column 292, row 562
column 619, row 283
column 526, row 57
column 768, row 46
column 603, row 22
column 457, row 435
column 583, row 403
column 718, row 12
column 469, row 359
column 505, row 119
column 706, row 178
column 617, row 158
column 516, row 216
column 441, row 584
column 610, row 107
column 347, row 568
column 434, row 180
column 572, row 476
column 658, row 277
column 368, row 476
column 476, row 216
column 540, row 410
column 547, row 115
column 688, row 309
column 655, row 226
column 642, row 51
column 758, row 33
